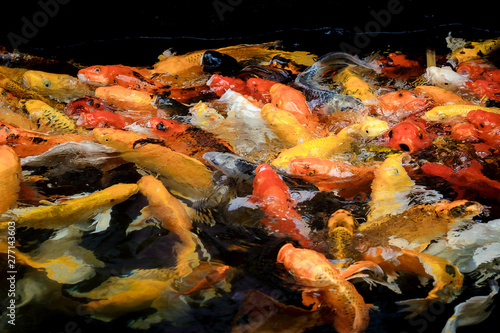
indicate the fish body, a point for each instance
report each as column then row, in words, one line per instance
column 473, row 50
column 31, row 143
column 421, row 224
column 398, row 105
column 439, row 96
column 103, row 119
column 184, row 174
column 87, row 104
column 396, row 65
column 468, row 179
column 329, row 175
column 474, row 69
column 354, row 85
column 231, row 165
column 10, row 178
column 106, row 75
column 341, row 245
column 51, row 118
column 127, row 98
column 487, row 125
column 73, row 211
column 272, row 195
column 285, row 125
column 310, row 81
column 205, row 117
column 61, row 87
column 409, row 136
column 220, row 84
column 288, row 98
column 446, row 113
column 311, row 270
column 188, row 139
column 390, row 187
column 482, row 88
column 327, row 147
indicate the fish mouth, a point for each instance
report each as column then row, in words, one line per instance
column 83, row 78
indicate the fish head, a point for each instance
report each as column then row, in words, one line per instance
column 96, row 74
column 116, row 138
column 459, row 209
column 288, row 98
column 37, row 80
column 371, row 127
column 268, row 185
column 166, row 126
column 409, row 136
column 483, row 120
column 464, row 132
column 86, row 105
column 392, row 172
column 342, row 219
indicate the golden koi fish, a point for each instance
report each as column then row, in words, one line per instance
column 444, row 113
column 49, row 117
column 285, row 125
column 60, row 87
column 10, row 178
column 473, row 50
column 333, row 144
column 184, row 175
column 73, row 211
column 354, row 85
column 325, row 282
column 389, row 188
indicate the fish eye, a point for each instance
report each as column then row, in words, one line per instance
column 97, row 69
column 390, row 134
column 420, row 136
column 97, row 105
column 46, row 84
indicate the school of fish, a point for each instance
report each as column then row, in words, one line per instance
column 141, row 193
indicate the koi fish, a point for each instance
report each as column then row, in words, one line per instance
column 286, row 64
column 396, row 65
column 260, row 89
column 183, row 174
column 216, row 62
column 322, row 281
column 172, row 216
column 271, row 194
column 187, row 139
column 465, row 180
column 398, row 105
column 409, row 136
column 439, row 96
column 487, row 126
column 447, row 283
column 127, row 98
column 103, row 119
column 30, row 143
column 354, row 85
column 73, row 211
column 49, row 117
column 87, row 104
column 445, row 77
column 417, row 226
column 61, row 87
column 188, row 95
column 474, row 69
column 21, row 92
column 341, row 229
column 473, row 50
column 464, row 132
column 309, row 80
column 390, row 187
column 205, row 117
column 286, row 127
column 231, row 165
column 220, row 84
column 106, row 75
column 331, row 145
column 288, row 98
column 10, row 178
column 445, row 113
column 482, row 88
column 329, row 175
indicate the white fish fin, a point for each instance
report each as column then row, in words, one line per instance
column 102, row 220
column 471, row 312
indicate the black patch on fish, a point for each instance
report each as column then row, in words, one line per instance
column 216, row 62
column 450, row 270
column 142, row 142
column 37, row 140
column 163, row 102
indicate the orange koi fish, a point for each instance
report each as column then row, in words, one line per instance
column 409, row 136
column 465, row 180
column 272, row 195
column 329, row 175
column 31, row 143
column 106, row 75
column 439, row 96
column 127, row 98
column 10, row 178
column 326, row 286
column 488, row 126
column 400, row 104
column 103, row 119
column 288, row 98
column 188, row 139
column 396, row 65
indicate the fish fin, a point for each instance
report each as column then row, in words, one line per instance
column 145, row 219
column 415, row 306
column 359, row 266
column 101, row 221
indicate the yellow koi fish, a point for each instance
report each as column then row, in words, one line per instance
column 445, row 113
column 73, row 211
column 129, row 99
column 333, row 144
column 10, row 178
column 354, row 84
column 474, row 50
column 172, row 216
column 286, row 127
column 390, row 187
column 47, row 116
column 61, row 87
column 184, row 175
